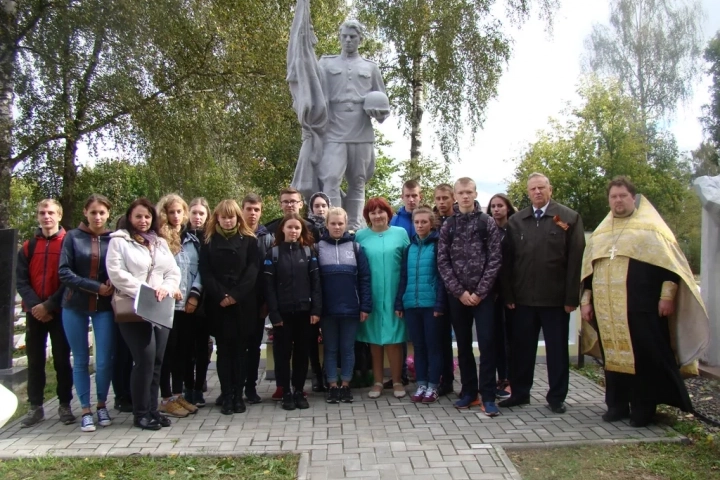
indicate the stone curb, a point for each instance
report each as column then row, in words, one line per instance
column 625, row 441
column 507, row 462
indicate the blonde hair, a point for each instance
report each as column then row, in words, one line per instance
column 227, row 208
column 201, row 201
column 166, row 231
column 50, row 201
column 338, row 211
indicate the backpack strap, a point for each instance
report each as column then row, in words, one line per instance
column 29, row 248
column 275, row 253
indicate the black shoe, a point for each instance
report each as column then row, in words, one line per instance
column 333, row 395
column 238, row 404
column 204, row 389
column 300, row 400
column 405, row 380
column 198, row 399
column 615, row 414
column 146, row 422
column 35, row 415
column 346, row 395
column 287, row 401
column 163, row 420
column 557, row 407
column 219, row 400
column 445, row 389
column 514, row 402
column 227, row 405
column 252, row 396
column 319, row 383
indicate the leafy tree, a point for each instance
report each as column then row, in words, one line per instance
column 187, row 86
column 444, row 57
column 603, row 138
column 704, row 161
column 652, row 47
column 711, row 119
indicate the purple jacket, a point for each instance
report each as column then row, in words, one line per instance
column 471, row 263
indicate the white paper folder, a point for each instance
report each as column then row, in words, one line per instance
column 159, row 313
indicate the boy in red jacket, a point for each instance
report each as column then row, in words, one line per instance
column 39, row 287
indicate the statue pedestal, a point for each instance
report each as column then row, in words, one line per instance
column 708, row 189
column 710, row 283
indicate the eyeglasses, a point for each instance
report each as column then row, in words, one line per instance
column 286, row 203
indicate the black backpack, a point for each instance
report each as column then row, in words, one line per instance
column 276, row 252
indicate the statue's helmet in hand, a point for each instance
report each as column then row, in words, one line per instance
column 376, row 101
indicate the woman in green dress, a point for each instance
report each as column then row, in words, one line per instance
column 383, row 330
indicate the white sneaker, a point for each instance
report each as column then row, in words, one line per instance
column 419, row 394
column 87, row 424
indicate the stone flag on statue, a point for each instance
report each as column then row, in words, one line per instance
column 304, row 79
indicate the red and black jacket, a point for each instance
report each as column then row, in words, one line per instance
column 37, row 271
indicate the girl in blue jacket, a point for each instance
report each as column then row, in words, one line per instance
column 420, row 300
column 347, row 300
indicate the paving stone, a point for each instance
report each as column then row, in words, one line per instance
column 384, row 438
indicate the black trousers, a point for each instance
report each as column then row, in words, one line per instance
column 503, row 332
column 197, row 358
column 463, row 318
column 231, row 336
column 447, row 377
column 252, row 355
column 122, row 368
column 168, row 363
column 36, row 334
column 314, row 349
column 291, row 340
column 147, row 345
column 555, row 323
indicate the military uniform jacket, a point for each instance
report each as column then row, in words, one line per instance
column 346, row 81
column 543, row 258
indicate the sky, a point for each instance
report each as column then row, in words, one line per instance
column 540, row 79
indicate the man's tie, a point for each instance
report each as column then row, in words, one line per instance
column 538, row 214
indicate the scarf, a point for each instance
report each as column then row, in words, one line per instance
column 226, row 233
column 148, row 238
column 317, row 220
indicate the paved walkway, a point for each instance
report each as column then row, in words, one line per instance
column 384, row 438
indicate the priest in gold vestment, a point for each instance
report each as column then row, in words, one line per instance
column 642, row 309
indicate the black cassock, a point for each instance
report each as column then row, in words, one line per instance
column 657, row 377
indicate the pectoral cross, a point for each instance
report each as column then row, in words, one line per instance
column 613, row 251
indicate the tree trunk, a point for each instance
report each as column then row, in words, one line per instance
column 67, row 197
column 7, row 70
column 416, row 117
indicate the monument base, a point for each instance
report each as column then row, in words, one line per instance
column 12, row 377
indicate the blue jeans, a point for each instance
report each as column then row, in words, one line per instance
column 339, row 333
column 425, row 332
column 76, row 324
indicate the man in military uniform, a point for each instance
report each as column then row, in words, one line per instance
column 348, row 141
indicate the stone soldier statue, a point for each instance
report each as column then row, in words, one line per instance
column 339, row 140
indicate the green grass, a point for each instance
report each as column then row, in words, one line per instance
column 155, row 468
column 651, row 461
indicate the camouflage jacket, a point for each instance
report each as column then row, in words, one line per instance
column 469, row 260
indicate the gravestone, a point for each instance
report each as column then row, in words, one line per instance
column 9, row 376
column 708, row 189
